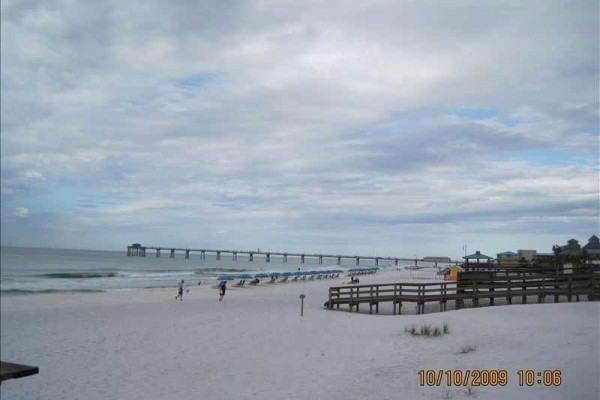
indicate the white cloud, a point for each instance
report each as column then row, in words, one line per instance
column 21, row 212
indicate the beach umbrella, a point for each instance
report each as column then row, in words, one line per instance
column 261, row 275
column 287, row 274
column 298, row 273
column 225, row 278
column 244, row 276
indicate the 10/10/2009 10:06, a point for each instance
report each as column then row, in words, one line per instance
column 486, row 377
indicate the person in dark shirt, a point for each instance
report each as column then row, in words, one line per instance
column 222, row 289
column 180, row 291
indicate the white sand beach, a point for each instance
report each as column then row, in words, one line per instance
column 143, row 344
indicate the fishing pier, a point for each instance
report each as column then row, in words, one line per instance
column 137, row 250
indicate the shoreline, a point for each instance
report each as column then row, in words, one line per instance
column 144, row 344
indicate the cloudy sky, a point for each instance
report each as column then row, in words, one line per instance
column 380, row 127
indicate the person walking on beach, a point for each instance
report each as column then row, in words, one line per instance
column 180, row 291
column 222, row 289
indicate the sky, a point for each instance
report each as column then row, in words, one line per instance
column 385, row 128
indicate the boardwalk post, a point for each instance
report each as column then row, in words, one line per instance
column 302, row 296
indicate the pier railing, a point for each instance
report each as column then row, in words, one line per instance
column 137, row 250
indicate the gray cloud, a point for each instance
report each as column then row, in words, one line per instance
column 315, row 117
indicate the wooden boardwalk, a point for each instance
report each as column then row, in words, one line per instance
column 472, row 286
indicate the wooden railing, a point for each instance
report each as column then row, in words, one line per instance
column 396, row 293
column 469, row 286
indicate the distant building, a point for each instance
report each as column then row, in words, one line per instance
column 527, row 255
column 568, row 256
column 572, row 248
column 507, row 259
column 437, row 260
column 522, row 258
column 545, row 259
column 572, row 255
column 592, row 248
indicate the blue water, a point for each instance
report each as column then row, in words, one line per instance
column 33, row 270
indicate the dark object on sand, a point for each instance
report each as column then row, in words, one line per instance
column 14, row 371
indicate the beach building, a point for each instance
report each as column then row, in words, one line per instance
column 572, row 248
column 522, row 258
column 527, row 255
column 592, row 248
column 545, row 260
column 572, row 255
column 507, row 259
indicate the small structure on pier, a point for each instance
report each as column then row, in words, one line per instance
column 136, row 250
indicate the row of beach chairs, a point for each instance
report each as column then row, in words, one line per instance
column 271, row 279
column 362, row 271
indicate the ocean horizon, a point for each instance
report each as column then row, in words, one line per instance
column 31, row 270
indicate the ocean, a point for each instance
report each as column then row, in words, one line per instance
column 25, row 271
